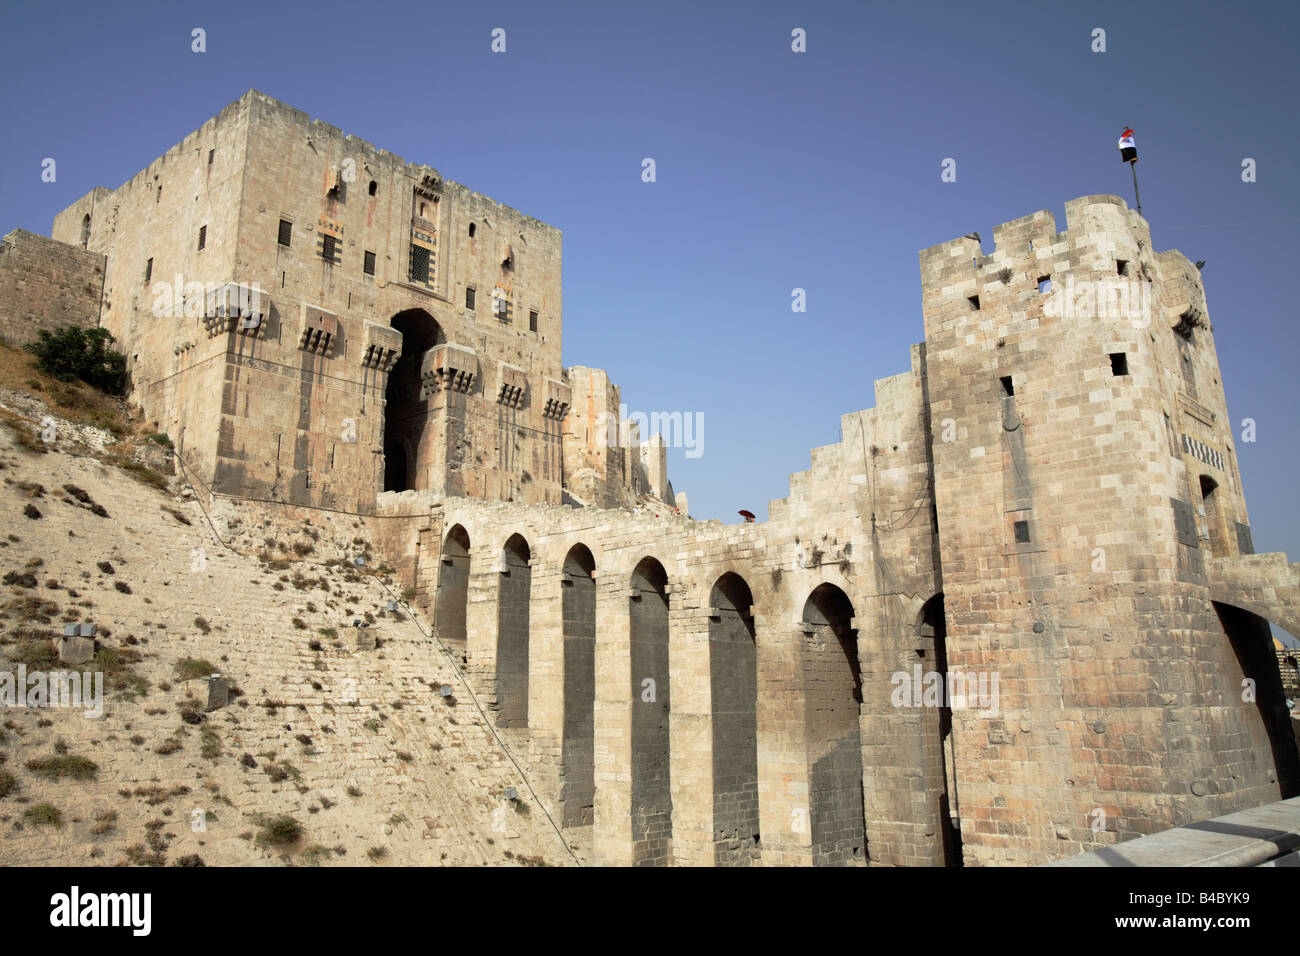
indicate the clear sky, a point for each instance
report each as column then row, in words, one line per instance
column 774, row 170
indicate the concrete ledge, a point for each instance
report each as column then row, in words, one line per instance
column 1256, row 837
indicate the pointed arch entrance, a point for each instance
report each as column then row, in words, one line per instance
column 406, row 412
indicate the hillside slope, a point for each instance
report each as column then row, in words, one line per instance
column 358, row 747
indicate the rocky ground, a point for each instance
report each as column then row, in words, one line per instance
column 326, row 754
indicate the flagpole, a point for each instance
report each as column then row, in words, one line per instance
column 1133, row 166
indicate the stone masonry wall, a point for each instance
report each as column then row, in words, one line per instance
column 822, row 535
column 45, row 284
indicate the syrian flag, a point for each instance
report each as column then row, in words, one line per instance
column 1127, row 149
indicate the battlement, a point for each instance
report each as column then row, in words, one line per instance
column 1037, row 233
column 1027, row 276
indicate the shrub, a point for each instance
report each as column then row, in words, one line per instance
column 35, row 654
column 139, row 472
column 315, row 853
column 70, row 353
column 8, row 783
column 211, row 744
column 280, row 831
column 194, row 668
column 64, row 765
column 42, row 815
column 137, row 855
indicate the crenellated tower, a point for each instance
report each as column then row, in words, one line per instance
column 1086, row 480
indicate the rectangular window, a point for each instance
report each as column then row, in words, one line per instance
column 211, row 153
column 419, row 264
column 148, row 270
column 1118, row 363
column 1022, row 532
column 1008, row 389
column 469, row 298
column 500, row 308
column 368, row 266
column 286, row 232
column 974, row 301
column 1121, row 266
column 1044, row 285
column 328, row 247
column 203, row 237
column 532, row 320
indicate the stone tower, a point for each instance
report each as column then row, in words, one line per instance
column 1086, row 485
column 405, row 333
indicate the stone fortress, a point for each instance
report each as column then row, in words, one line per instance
column 1016, row 600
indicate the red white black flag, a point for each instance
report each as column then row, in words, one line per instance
column 1127, row 149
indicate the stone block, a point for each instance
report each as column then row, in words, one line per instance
column 77, row 650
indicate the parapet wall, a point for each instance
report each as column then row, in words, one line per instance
column 45, row 284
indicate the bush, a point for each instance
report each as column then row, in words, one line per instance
column 43, row 814
column 194, row 668
column 66, row 765
column 70, row 353
column 280, row 831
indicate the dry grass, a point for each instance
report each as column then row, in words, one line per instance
column 75, row 401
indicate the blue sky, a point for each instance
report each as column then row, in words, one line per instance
column 775, row 170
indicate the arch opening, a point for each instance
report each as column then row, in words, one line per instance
column 514, row 591
column 406, row 411
column 733, row 678
column 1267, row 719
column 939, row 752
column 453, row 590
column 832, row 715
column 578, row 748
column 651, row 780
column 1216, row 527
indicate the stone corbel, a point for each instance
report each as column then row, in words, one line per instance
column 448, row 367
column 558, row 399
column 514, row 385
column 236, row 307
column 381, row 347
column 319, row 332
